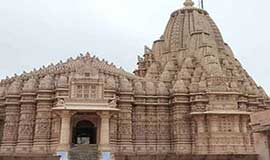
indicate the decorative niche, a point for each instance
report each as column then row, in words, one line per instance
column 86, row 84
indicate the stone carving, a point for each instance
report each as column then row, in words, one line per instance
column 62, row 82
column 46, row 83
column 26, row 131
column 162, row 89
column 125, row 85
column 87, row 71
column 2, row 91
column 42, row 129
column 189, row 97
column 180, row 86
column 189, row 3
column 30, row 85
column 10, row 131
column 110, row 83
column 138, row 87
column 15, row 87
column 165, row 76
column 150, row 88
column 60, row 102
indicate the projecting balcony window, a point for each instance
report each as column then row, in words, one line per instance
column 226, row 124
column 86, row 91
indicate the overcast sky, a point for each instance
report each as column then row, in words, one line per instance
column 37, row 32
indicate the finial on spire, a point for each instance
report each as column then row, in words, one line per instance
column 188, row 3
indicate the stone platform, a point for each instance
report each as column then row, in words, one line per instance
column 28, row 157
column 186, row 157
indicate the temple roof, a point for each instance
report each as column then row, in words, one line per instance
column 71, row 65
column 191, row 53
column 192, row 49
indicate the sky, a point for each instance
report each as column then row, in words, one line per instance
column 34, row 33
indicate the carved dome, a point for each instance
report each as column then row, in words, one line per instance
column 153, row 70
column 187, row 22
column 30, row 85
column 110, row 84
column 202, row 85
column 162, row 89
column 188, row 63
column 170, row 66
column 165, row 76
column 62, row 82
column 47, row 83
column 180, row 87
column 184, row 74
column 150, row 88
column 14, row 88
column 194, row 43
column 125, row 85
column 138, row 87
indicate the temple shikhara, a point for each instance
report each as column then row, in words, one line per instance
column 188, row 99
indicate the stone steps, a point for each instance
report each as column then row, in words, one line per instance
column 84, row 152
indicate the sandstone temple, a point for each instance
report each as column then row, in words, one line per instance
column 188, row 99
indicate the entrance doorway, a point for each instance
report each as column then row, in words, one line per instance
column 84, row 132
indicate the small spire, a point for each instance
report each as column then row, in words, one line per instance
column 188, row 3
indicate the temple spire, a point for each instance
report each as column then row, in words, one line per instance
column 188, row 3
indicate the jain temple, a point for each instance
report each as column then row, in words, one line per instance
column 188, row 99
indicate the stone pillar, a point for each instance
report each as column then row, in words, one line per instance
column 200, row 121
column 244, row 122
column 236, row 123
column 12, row 118
column 2, row 111
column 43, row 116
column 61, row 92
column 262, row 145
column 247, row 136
column 139, row 119
column 181, row 122
column 110, row 94
column 65, row 134
column 126, row 99
column 213, row 120
column 27, row 119
column 104, row 143
column 201, row 142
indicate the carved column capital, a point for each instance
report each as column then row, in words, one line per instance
column 104, row 114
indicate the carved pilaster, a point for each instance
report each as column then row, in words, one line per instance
column 201, row 142
column 65, row 135
column 2, row 105
column 27, row 123
column 163, row 126
column 125, row 122
column 2, row 112
column 11, row 126
column 104, row 143
column 151, row 129
column 61, row 92
column 181, row 123
column 139, row 125
column 43, row 116
column 43, row 121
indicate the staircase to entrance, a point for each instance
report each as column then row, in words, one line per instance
column 84, row 152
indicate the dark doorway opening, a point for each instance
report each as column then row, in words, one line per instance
column 84, row 132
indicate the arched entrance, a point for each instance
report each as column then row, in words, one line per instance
column 84, row 132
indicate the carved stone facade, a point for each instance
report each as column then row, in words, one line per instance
column 188, row 98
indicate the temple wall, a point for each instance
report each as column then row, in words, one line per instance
column 152, row 122
column 146, row 124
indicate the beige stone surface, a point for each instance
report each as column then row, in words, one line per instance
column 189, row 97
